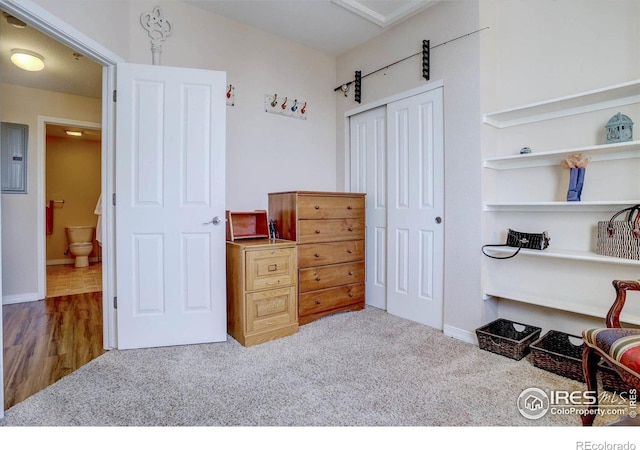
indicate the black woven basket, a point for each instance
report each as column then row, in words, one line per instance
column 554, row 352
column 610, row 379
column 507, row 338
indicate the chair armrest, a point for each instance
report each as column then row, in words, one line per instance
column 621, row 287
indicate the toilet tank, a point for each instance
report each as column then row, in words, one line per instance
column 79, row 234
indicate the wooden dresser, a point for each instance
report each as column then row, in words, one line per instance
column 262, row 290
column 329, row 228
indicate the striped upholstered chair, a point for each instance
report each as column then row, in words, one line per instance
column 619, row 347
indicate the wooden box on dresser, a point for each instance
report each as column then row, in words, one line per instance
column 329, row 228
column 262, row 293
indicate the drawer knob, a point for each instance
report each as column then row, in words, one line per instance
column 317, row 278
column 317, row 206
column 349, row 207
column 350, row 294
column 350, row 273
column 349, row 251
column 350, row 228
column 317, row 301
column 317, row 255
column 317, row 231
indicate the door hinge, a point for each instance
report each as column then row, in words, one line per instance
column 115, row 302
column 113, row 199
column 115, row 95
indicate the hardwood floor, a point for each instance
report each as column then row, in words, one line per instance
column 48, row 339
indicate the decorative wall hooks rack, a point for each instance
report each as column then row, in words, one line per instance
column 426, row 66
column 286, row 106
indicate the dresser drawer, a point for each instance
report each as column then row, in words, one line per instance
column 270, row 309
column 311, row 255
column 270, row 268
column 315, row 278
column 327, row 299
column 330, row 207
column 312, row 231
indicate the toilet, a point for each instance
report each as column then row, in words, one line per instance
column 80, row 241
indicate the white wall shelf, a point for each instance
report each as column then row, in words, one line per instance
column 563, row 306
column 587, row 273
column 565, row 254
column 607, row 97
column 597, row 206
column 608, row 152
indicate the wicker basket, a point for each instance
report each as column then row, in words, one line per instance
column 507, row 338
column 610, row 379
column 554, row 352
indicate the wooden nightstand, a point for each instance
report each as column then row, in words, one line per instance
column 262, row 292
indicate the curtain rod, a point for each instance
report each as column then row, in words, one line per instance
column 411, row 56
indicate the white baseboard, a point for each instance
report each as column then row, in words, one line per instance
column 20, row 298
column 61, row 262
column 460, row 334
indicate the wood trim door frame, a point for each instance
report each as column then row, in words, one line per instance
column 44, row 21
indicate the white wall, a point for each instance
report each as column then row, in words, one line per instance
column 265, row 152
column 539, row 50
column 457, row 64
column 19, row 232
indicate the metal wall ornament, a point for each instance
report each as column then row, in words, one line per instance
column 159, row 29
column 619, row 129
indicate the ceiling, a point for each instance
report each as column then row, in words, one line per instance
column 331, row 26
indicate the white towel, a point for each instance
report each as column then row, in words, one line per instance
column 98, row 212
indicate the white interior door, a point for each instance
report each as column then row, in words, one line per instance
column 368, row 134
column 170, row 184
column 415, row 146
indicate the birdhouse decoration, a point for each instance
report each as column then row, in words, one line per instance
column 619, row 129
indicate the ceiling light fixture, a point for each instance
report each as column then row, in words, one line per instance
column 27, row 60
column 73, row 133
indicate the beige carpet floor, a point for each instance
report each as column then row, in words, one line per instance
column 365, row 368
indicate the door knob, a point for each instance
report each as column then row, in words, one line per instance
column 216, row 221
column 438, row 219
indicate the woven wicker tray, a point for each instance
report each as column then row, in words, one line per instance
column 507, row 338
column 554, row 352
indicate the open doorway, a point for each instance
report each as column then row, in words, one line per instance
column 87, row 314
column 73, row 223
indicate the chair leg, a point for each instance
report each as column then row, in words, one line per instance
column 590, row 369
